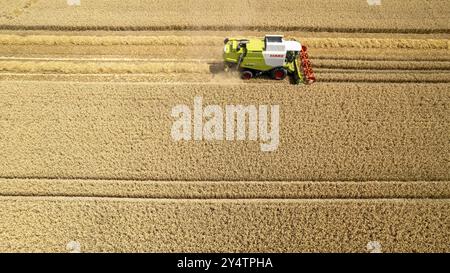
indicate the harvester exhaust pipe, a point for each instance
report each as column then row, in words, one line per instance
column 242, row 44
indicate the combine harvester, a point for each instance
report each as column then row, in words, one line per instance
column 271, row 56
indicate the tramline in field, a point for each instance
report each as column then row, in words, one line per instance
column 273, row 56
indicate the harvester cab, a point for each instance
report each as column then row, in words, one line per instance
column 273, row 56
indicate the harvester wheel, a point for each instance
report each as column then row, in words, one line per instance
column 279, row 74
column 246, row 75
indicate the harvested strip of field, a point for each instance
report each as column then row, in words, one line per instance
column 225, row 189
column 347, row 16
column 216, row 40
column 80, row 59
column 322, row 75
column 110, row 40
column 172, row 78
column 146, row 225
column 102, row 67
column 127, row 51
column 122, row 131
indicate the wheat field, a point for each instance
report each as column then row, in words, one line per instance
column 86, row 152
column 323, row 15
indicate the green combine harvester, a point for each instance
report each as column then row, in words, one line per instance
column 271, row 56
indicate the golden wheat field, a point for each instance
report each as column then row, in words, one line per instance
column 329, row 15
column 87, row 151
